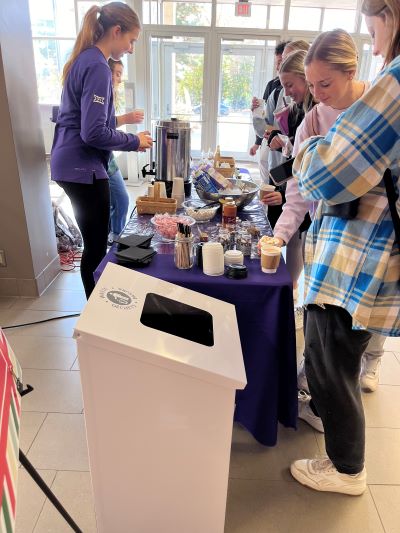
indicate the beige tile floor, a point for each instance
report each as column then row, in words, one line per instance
column 262, row 496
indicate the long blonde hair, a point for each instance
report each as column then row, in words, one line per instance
column 383, row 9
column 336, row 48
column 96, row 23
column 294, row 63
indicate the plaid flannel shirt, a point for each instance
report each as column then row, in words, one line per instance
column 355, row 264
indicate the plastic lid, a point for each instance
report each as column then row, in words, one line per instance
column 236, row 271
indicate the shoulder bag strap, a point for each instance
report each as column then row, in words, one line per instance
column 392, row 197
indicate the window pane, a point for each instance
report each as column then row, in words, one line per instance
column 52, row 18
column 187, row 13
column 179, row 13
column 50, row 57
column 276, row 17
column 85, row 5
column 304, row 18
column 177, row 81
column 363, row 28
column 226, row 16
column 241, row 65
column 369, row 65
column 339, row 18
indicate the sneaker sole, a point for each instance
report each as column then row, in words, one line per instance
column 349, row 490
column 368, row 389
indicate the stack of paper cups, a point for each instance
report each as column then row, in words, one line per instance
column 213, row 259
column 178, row 191
column 150, row 191
column 163, row 192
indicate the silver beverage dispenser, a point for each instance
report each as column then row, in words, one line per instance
column 172, row 152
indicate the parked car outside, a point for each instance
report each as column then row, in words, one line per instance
column 223, row 109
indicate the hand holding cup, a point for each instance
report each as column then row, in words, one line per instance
column 135, row 117
column 145, row 141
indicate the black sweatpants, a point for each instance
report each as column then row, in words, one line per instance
column 91, row 205
column 333, row 352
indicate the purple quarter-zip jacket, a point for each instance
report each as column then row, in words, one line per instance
column 85, row 132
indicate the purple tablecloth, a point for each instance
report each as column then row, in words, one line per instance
column 264, row 308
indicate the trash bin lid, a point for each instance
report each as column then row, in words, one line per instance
column 156, row 322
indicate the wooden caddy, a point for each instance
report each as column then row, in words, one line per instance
column 150, row 205
column 226, row 172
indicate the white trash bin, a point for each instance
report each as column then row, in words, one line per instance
column 159, row 368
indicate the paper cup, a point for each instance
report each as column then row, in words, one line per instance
column 163, row 192
column 178, row 186
column 180, row 198
column 266, row 188
column 270, row 259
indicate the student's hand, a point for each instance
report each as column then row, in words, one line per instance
column 268, row 130
column 280, row 242
column 253, row 149
column 254, row 103
column 134, row 117
column 145, row 141
column 272, row 198
column 276, row 143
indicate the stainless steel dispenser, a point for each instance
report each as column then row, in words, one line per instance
column 172, row 150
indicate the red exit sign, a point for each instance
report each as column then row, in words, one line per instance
column 242, row 9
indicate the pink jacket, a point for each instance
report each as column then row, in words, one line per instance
column 318, row 121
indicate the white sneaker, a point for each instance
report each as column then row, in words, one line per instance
column 369, row 377
column 320, row 474
column 302, row 383
column 305, row 411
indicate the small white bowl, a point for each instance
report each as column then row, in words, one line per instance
column 200, row 215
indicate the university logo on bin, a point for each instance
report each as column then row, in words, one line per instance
column 119, row 298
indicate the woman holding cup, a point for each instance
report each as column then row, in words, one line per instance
column 357, row 256
column 119, row 197
column 294, row 84
column 85, row 133
column 331, row 78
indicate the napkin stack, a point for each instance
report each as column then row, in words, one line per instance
column 134, row 250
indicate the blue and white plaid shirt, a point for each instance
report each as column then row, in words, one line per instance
column 355, row 264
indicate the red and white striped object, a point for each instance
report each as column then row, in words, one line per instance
column 10, row 414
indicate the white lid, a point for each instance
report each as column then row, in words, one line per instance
column 116, row 327
column 233, row 253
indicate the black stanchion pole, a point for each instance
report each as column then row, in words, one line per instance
column 51, row 496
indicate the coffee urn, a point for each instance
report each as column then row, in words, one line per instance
column 173, row 152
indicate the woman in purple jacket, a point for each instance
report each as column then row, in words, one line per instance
column 85, row 133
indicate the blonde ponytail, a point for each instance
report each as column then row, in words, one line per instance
column 96, row 23
column 91, row 31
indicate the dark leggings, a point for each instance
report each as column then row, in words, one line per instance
column 333, row 352
column 91, row 205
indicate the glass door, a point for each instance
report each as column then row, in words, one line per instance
column 245, row 68
column 177, row 66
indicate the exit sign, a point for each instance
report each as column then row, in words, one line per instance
column 242, row 9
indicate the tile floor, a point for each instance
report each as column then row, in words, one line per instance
column 262, row 496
